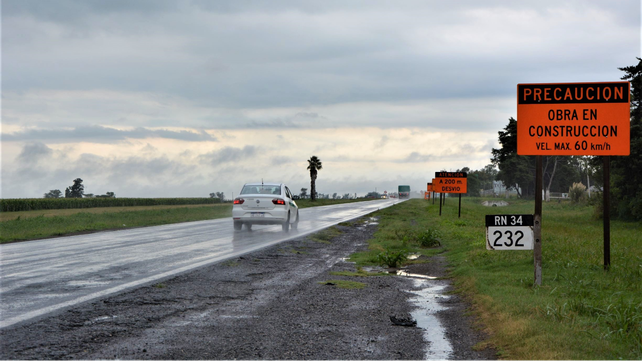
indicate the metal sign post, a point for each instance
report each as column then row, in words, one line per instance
column 537, row 224
column 573, row 119
column 607, row 212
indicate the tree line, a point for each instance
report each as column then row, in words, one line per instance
column 76, row 190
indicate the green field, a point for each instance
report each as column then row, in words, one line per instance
column 579, row 312
column 45, row 223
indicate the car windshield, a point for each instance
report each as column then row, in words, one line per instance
column 261, row 189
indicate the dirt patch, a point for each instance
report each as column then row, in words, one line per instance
column 276, row 303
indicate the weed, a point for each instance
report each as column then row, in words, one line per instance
column 360, row 273
column 392, row 259
column 429, row 238
column 160, row 285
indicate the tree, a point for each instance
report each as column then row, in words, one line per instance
column 334, row 196
column 518, row 171
column 304, row 193
column 54, row 193
column 375, row 195
column 515, row 171
column 314, row 165
column 219, row 195
column 76, row 190
column 346, row 196
column 626, row 172
column 107, row 195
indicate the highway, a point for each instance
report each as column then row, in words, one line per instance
column 39, row 278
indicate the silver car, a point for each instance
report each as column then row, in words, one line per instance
column 265, row 203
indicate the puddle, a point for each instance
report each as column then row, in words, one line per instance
column 101, row 319
column 414, row 256
column 415, row 275
column 238, row 316
column 427, row 302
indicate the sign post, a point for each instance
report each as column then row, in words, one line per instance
column 451, row 182
column 573, row 119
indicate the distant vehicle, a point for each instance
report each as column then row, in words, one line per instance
column 265, row 203
column 404, row 192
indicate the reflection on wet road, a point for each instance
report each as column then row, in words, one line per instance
column 40, row 277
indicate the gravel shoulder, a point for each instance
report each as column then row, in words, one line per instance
column 277, row 303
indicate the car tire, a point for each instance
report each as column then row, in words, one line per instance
column 295, row 225
column 237, row 225
column 286, row 224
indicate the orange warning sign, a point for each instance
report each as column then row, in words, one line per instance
column 573, row 119
column 450, row 182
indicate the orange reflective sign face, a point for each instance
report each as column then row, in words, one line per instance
column 429, row 188
column 450, row 182
column 573, row 119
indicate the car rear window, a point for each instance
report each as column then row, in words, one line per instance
column 261, row 189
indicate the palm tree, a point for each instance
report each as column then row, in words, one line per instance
column 314, row 165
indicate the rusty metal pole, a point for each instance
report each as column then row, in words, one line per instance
column 459, row 205
column 440, row 197
column 537, row 227
column 607, row 212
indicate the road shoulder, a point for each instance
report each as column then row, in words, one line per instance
column 281, row 302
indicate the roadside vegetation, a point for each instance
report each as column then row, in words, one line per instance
column 45, row 223
column 35, row 224
column 35, row 204
column 579, row 312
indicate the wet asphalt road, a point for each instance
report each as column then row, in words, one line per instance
column 41, row 277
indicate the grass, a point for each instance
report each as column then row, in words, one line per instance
column 7, row 216
column 579, row 312
column 61, row 223
column 359, row 273
column 28, row 225
column 305, row 203
column 325, row 235
column 344, row 284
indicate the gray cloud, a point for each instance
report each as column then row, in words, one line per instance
column 33, row 152
column 281, row 160
column 99, row 134
column 291, row 53
column 416, row 157
column 228, row 154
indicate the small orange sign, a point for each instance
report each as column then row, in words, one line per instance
column 450, row 182
column 429, row 188
column 573, row 119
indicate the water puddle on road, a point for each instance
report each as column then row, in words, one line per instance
column 415, row 275
column 427, row 302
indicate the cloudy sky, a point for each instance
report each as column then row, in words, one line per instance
column 160, row 98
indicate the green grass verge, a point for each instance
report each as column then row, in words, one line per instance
column 305, row 203
column 579, row 312
column 28, row 225
column 20, row 229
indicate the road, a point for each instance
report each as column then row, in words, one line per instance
column 41, row 277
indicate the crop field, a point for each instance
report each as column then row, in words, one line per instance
column 580, row 311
